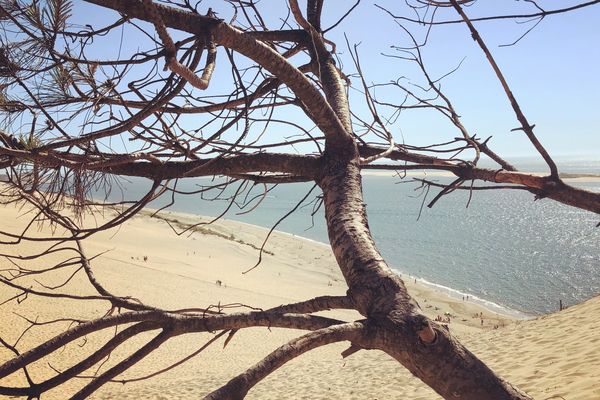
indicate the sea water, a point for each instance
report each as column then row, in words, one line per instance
column 504, row 249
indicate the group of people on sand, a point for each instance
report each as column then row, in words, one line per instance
column 445, row 319
column 481, row 317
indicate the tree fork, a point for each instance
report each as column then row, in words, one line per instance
column 427, row 350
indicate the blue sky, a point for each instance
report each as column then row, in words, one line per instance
column 553, row 71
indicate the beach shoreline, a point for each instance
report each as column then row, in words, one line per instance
column 413, row 283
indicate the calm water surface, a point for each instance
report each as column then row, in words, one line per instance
column 504, row 248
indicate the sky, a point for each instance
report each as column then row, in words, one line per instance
column 552, row 71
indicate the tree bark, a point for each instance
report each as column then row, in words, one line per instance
column 396, row 325
column 394, row 322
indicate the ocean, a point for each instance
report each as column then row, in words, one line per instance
column 505, row 250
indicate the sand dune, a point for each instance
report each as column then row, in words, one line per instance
column 554, row 355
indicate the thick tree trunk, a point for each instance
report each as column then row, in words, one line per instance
column 395, row 323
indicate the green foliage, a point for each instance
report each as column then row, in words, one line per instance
column 29, row 142
column 7, row 67
column 61, row 78
column 58, row 12
column 54, row 15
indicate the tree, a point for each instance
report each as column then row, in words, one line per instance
column 67, row 110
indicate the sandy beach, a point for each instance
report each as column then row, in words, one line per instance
column 550, row 356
